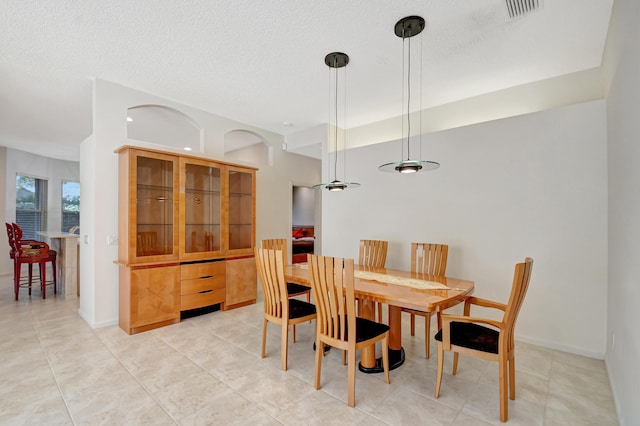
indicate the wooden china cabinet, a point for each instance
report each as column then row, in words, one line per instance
column 186, row 235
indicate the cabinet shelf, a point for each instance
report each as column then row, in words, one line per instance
column 154, row 187
column 202, row 191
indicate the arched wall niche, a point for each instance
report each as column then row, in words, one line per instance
column 164, row 125
column 248, row 147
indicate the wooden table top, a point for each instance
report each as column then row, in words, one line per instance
column 394, row 294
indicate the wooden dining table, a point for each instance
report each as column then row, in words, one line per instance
column 402, row 289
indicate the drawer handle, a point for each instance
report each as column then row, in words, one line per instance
column 205, row 291
column 204, row 277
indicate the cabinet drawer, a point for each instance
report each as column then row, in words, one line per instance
column 201, row 270
column 198, row 285
column 199, row 300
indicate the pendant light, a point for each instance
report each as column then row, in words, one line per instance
column 335, row 61
column 407, row 28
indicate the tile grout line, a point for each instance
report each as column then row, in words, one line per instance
column 213, row 375
column 136, row 379
column 53, row 373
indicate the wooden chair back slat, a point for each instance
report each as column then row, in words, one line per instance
column 333, row 288
column 373, row 253
column 271, row 273
column 428, row 258
column 11, row 239
column 276, row 244
column 521, row 278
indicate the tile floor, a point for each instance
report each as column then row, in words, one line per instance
column 56, row 370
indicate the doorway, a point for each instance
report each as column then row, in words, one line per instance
column 303, row 221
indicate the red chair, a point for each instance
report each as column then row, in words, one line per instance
column 29, row 252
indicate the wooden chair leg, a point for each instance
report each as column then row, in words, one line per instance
column 264, row 337
column 440, row 368
column 504, row 408
column 413, row 324
column 30, row 268
column 379, row 312
column 319, row 354
column 454, row 370
column 385, row 358
column 16, row 279
column 285, row 346
column 53, row 270
column 427, row 336
column 43, row 279
column 294, row 333
column 351, row 367
column 512, row 378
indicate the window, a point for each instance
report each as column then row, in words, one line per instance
column 31, row 205
column 70, row 205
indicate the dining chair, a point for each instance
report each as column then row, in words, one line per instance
column 431, row 259
column 29, row 252
column 332, row 281
column 373, row 253
column 278, row 307
column 468, row 335
column 293, row 289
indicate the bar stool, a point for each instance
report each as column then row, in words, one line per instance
column 29, row 252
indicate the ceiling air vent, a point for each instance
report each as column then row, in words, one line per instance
column 519, row 8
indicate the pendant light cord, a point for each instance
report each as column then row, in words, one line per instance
column 408, row 98
column 335, row 140
column 421, row 96
column 344, row 128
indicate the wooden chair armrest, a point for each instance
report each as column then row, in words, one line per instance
column 472, row 300
column 447, row 319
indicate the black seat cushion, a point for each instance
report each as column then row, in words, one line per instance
column 293, row 288
column 472, row 336
column 299, row 309
column 367, row 329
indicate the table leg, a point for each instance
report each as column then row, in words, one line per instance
column 396, row 352
column 366, row 310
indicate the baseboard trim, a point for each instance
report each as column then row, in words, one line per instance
column 559, row 347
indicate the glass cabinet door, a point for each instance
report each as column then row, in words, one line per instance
column 201, row 209
column 155, row 185
column 241, row 233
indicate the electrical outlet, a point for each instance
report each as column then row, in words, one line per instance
column 86, row 239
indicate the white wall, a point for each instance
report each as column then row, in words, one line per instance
column 90, row 200
column 99, row 174
column 622, row 65
column 52, row 170
column 532, row 185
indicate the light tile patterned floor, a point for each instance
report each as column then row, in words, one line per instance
column 55, row 369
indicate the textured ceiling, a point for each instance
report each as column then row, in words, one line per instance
column 262, row 62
